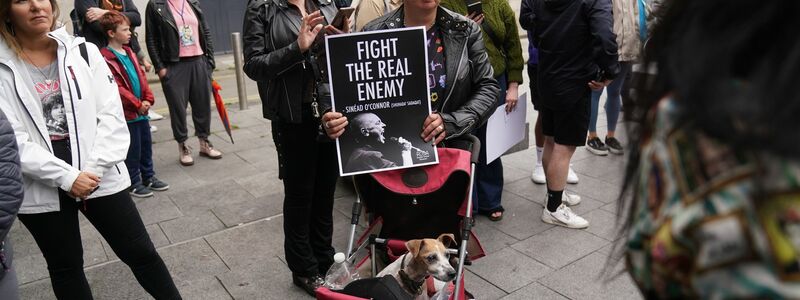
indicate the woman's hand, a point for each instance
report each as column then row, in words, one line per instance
column 433, row 129
column 512, row 95
column 162, row 73
column 331, row 30
column 309, row 28
column 334, row 124
column 94, row 13
column 144, row 108
column 597, row 85
column 84, row 185
column 478, row 18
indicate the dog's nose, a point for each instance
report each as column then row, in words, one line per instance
column 451, row 273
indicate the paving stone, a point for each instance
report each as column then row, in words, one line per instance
column 522, row 218
column 191, row 226
column 268, row 280
column 611, row 207
column 250, row 244
column 157, row 209
column 30, row 268
column 534, row 291
column 243, row 140
column 611, row 164
column 39, row 290
column 250, row 210
column 586, row 206
column 173, row 174
column 603, row 224
column 114, row 281
column 261, row 184
column 157, row 236
column 596, row 189
column 262, row 158
column 480, row 288
column 344, row 205
column 560, row 246
column 587, row 279
column 523, row 160
column 527, row 189
column 493, row 240
column 344, row 187
column 203, row 288
column 212, row 171
column 511, row 174
column 93, row 252
column 509, row 270
column 192, row 260
column 209, row 196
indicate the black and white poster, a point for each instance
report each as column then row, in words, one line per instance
column 379, row 81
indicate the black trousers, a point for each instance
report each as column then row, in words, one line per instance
column 115, row 216
column 188, row 82
column 309, row 170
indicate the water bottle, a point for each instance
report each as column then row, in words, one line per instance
column 340, row 273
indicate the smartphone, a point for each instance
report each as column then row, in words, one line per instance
column 341, row 15
column 475, row 7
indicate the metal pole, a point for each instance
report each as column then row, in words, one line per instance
column 238, row 61
column 354, row 219
column 462, row 253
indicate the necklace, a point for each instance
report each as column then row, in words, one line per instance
column 47, row 79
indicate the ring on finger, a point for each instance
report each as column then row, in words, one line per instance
column 440, row 128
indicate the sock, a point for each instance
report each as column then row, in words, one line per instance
column 553, row 199
column 539, row 151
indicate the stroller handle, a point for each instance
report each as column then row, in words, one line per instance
column 469, row 143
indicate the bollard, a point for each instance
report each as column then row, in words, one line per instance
column 238, row 61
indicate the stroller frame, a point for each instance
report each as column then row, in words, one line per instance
column 466, row 227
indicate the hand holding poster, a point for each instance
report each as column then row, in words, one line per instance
column 378, row 81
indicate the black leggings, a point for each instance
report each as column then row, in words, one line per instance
column 115, row 216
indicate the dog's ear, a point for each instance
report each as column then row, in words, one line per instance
column 447, row 239
column 414, row 246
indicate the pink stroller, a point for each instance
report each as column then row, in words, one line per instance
column 416, row 203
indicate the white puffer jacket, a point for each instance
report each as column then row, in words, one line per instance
column 97, row 129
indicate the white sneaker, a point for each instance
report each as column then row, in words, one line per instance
column 570, row 199
column 154, row 116
column 153, row 128
column 538, row 175
column 572, row 177
column 563, row 216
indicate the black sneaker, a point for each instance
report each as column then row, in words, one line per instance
column 308, row 284
column 614, row 146
column 140, row 191
column 155, row 184
column 596, row 146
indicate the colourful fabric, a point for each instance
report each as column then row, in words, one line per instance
column 46, row 85
column 713, row 222
column 437, row 73
column 130, row 69
column 498, row 14
column 188, row 28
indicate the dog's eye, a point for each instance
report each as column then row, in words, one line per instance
column 431, row 258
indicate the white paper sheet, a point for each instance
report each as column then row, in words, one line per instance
column 504, row 130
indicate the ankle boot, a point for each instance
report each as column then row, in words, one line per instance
column 207, row 150
column 185, row 154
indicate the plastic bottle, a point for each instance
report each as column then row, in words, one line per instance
column 340, row 273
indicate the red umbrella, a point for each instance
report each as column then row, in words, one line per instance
column 223, row 113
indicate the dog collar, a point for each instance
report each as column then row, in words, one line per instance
column 414, row 286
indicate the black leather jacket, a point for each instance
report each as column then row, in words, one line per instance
column 161, row 34
column 273, row 58
column 470, row 88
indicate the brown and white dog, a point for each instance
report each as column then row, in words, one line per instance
column 425, row 258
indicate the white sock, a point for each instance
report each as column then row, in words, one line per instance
column 539, row 151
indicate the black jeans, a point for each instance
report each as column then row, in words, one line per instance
column 115, row 216
column 188, row 82
column 309, row 170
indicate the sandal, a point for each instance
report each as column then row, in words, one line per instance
column 491, row 214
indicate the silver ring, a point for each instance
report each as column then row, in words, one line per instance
column 440, row 128
column 327, row 125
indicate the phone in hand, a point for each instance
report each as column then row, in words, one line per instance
column 341, row 15
column 475, row 7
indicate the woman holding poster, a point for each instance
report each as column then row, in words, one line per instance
column 463, row 91
column 283, row 43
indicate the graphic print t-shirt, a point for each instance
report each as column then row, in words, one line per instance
column 436, row 67
column 46, row 86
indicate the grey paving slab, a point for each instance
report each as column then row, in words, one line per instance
column 586, row 206
column 527, row 189
column 493, row 240
column 30, row 268
column 209, row 196
column 595, row 189
column 511, row 174
column 534, row 291
column 249, row 210
column 265, row 159
column 39, row 290
column 587, row 279
column 522, row 218
column 191, row 226
column 156, row 236
column 611, row 207
column 509, row 270
column 263, row 183
column 93, row 252
column 267, row 280
column 203, row 288
column 481, row 288
column 157, row 209
column 211, row 171
column 192, row 260
column 523, row 160
column 344, row 205
column 243, row 140
column 603, row 224
column 611, row 165
column 560, row 246
column 168, row 170
column 250, row 244
column 344, row 187
column 114, row 281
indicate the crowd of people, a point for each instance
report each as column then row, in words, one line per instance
column 712, row 132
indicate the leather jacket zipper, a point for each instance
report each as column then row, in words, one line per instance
column 74, row 81
column 167, row 21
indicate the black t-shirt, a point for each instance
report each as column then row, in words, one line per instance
column 436, row 67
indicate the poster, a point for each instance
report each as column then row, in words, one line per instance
column 505, row 130
column 379, row 81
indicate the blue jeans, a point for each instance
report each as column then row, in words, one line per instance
column 140, row 152
column 613, row 103
column 488, row 188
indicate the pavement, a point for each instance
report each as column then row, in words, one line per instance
column 219, row 227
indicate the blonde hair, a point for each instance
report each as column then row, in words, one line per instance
column 6, row 29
